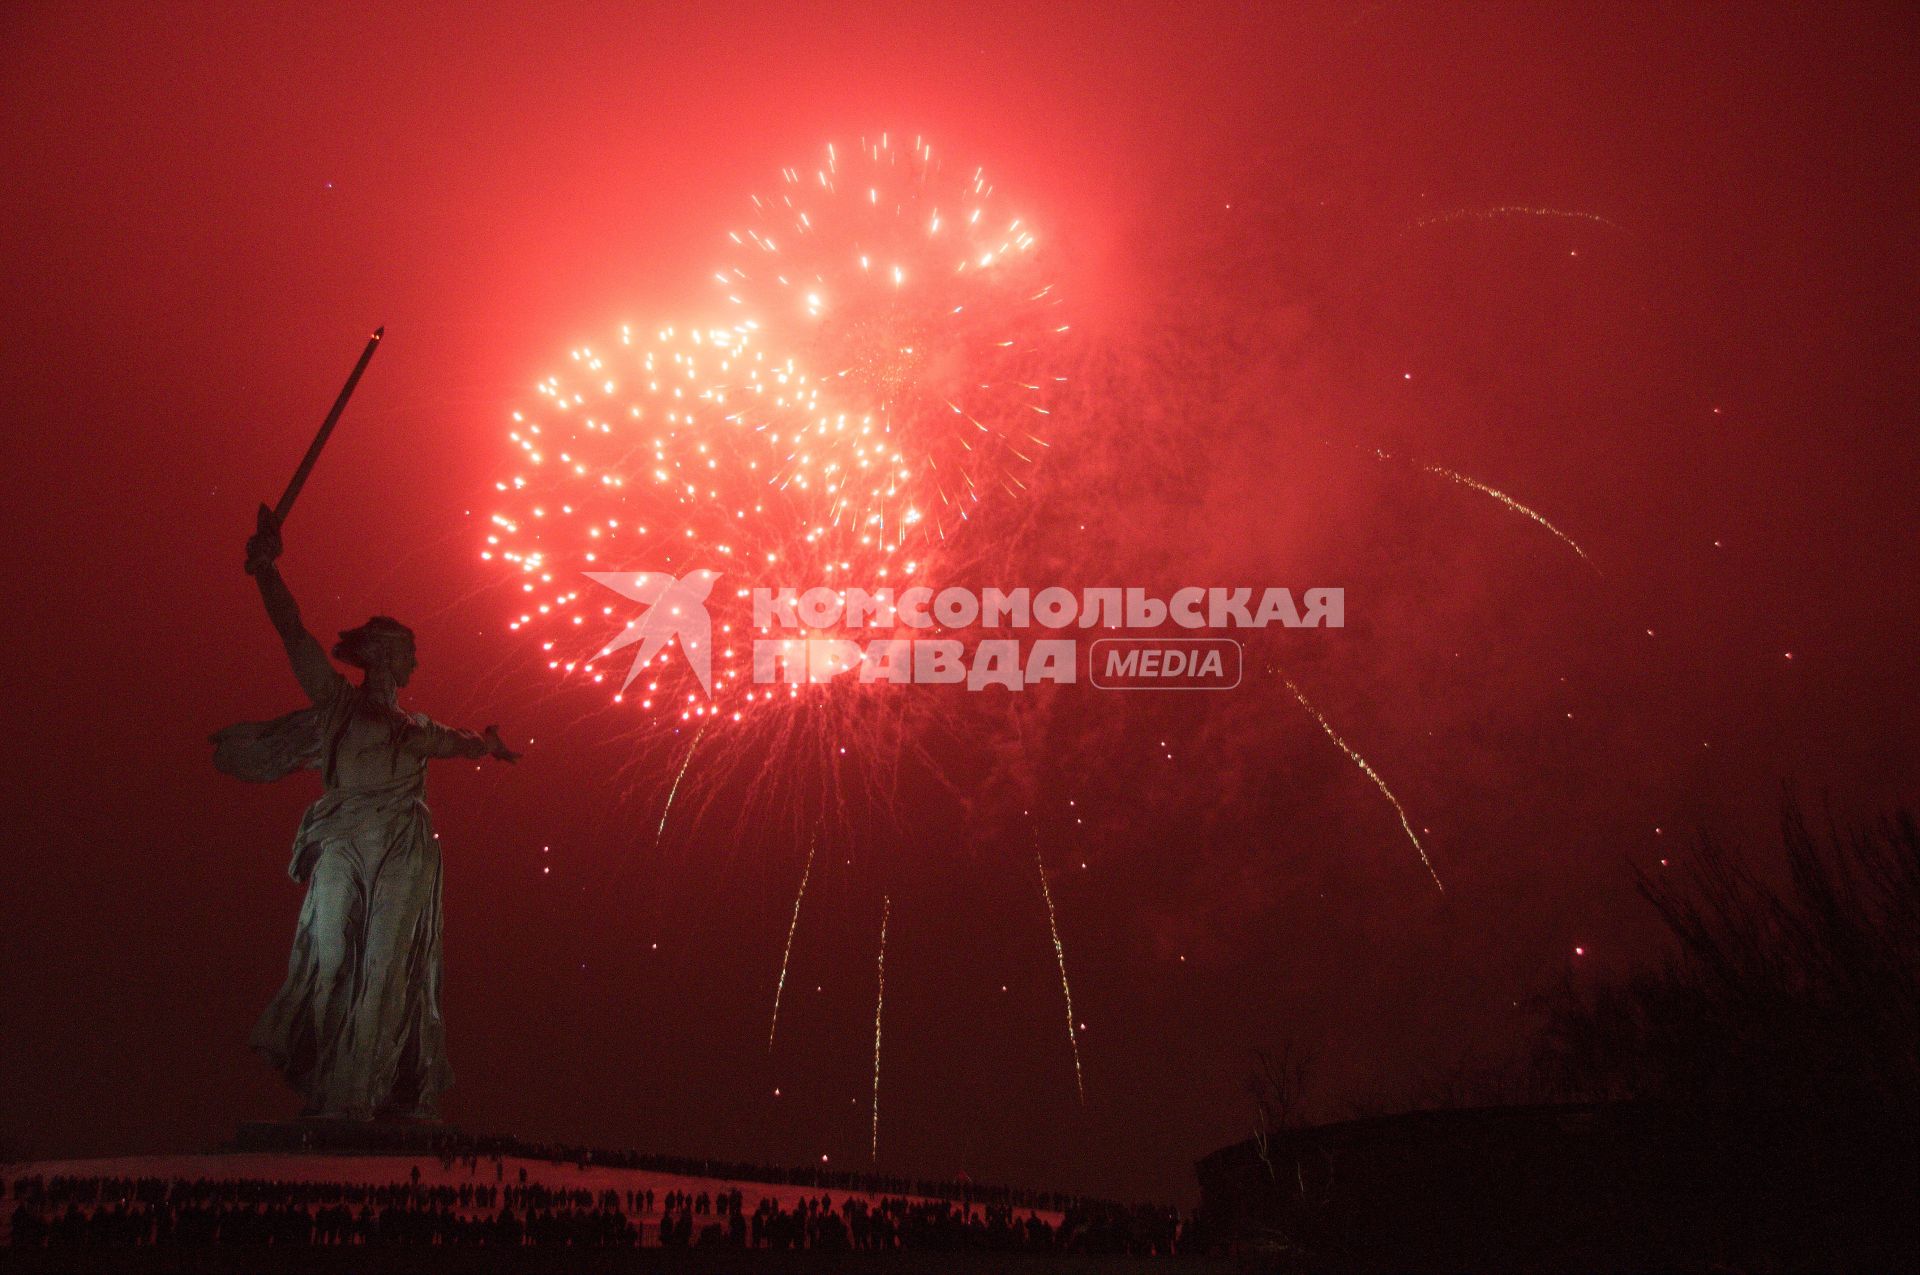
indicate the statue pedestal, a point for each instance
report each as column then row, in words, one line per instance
column 367, row 1137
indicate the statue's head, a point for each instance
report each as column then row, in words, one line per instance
column 381, row 645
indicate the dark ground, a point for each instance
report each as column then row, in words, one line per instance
column 384, row 1261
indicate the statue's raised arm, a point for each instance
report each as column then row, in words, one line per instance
column 315, row 672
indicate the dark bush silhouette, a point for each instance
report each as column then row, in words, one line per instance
column 1794, row 983
column 1780, row 1041
column 1750, row 1102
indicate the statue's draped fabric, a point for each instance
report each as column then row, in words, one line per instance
column 261, row 752
column 356, row 1027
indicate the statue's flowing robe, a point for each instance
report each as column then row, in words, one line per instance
column 356, row 1027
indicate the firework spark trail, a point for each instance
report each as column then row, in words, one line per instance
column 914, row 300
column 1060, row 956
column 1514, row 210
column 879, row 1005
column 1367, row 769
column 1475, row 484
column 792, row 926
column 888, row 362
column 654, row 449
column 668, row 808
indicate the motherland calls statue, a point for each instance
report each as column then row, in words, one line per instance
column 356, row 1028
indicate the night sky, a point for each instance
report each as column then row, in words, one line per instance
column 1652, row 274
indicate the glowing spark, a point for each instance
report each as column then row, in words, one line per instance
column 879, row 1004
column 792, row 925
column 1501, row 496
column 1513, row 210
column 668, row 808
column 1372, row 774
column 1474, row 484
column 901, row 316
column 705, row 464
column 1066, row 989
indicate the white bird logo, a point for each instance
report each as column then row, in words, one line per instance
column 675, row 608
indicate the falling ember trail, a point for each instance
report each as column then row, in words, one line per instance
column 879, row 1005
column 666, row 810
column 1501, row 496
column 1066, row 989
column 792, row 925
column 1372, row 774
column 1514, row 210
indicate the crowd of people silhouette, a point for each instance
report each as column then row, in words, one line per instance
column 82, row 1212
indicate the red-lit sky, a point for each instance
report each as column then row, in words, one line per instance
column 1651, row 273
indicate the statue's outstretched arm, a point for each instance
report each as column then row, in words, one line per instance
column 315, row 672
column 431, row 739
